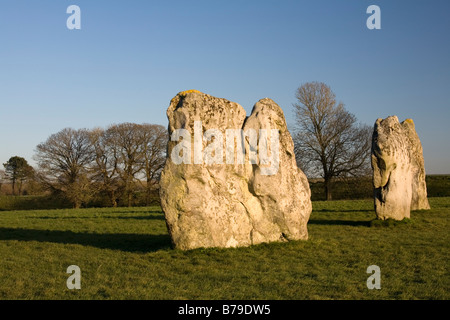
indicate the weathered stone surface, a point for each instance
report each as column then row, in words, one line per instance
column 419, row 200
column 398, row 169
column 231, row 204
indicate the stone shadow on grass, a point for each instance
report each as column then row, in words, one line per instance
column 354, row 223
column 145, row 217
column 341, row 210
column 153, row 217
column 121, row 241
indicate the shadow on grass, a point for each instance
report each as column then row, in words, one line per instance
column 152, row 217
column 136, row 211
column 161, row 217
column 341, row 210
column 121, row 241
column 353, row 223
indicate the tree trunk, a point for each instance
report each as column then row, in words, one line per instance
column 112, row 199
column 129, row 189
column 13, row 187
column 327, row 185
column 148, row 192
column 129, row 198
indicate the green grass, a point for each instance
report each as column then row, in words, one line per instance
column 125, row 253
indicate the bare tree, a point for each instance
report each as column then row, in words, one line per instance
column 64, row 160
column 125, row 143
column 105, row 166
column 83, row 163
column 328, row 141
column 154, row 144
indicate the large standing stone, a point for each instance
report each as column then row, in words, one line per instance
column 398, row 169
column 233, row 203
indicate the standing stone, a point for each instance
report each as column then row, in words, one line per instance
column 214, row 198
column 284, row 196
column 419, row 200
column 398, row 169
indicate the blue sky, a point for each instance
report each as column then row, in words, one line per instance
column 131, row 57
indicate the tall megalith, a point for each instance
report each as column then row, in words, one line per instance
column 398, row 169
column 231, row 180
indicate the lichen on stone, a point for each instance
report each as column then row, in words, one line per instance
column 183, row 93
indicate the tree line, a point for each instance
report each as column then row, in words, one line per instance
column 82, row 164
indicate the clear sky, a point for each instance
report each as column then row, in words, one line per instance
column 131, row 57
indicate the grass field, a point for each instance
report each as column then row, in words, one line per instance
column 125, row 253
